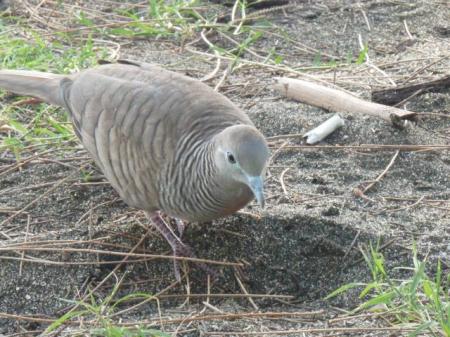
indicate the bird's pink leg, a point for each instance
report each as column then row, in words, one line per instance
column 178, row 247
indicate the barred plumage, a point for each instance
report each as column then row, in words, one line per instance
column 164, row 141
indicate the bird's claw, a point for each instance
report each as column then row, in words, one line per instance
column 183, row 250
column 178, row 247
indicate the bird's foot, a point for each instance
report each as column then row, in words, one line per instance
column 179, row 250
column 183, row 250
column 178, row 247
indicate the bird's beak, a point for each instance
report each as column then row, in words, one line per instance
column 256, row 184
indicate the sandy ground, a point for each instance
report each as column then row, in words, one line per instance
column 307, row 241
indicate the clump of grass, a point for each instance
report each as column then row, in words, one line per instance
column 420, row 299
column 175, row 19
column 98, row 317
column 21, row 127
column 61, row 55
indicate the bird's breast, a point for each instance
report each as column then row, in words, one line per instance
column 229, row 200
column 195, row 207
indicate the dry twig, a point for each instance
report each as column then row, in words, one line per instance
column 310, row 331
column 378, row 179
column 371, row 147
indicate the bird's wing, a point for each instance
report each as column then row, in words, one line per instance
column 125, row 124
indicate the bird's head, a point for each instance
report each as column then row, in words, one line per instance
column 241, row 155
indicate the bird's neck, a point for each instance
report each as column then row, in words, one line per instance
column 202, row 192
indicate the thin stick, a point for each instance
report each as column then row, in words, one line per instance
column 370, row 147
column 62, row 181
column 283, row 186
column 206, row 295
column 264, row 65
column 213, row 74
column 208, row 287
column 366, row 19
column 351, row 245
column 368, row 315
column 407, row 30
column 107, row 252
column 233, row 11
column 178, row 329
column 26, row 238
column 378, row 179
column 232, row 316
column 70, row 263
column 242, row 315
column 152, row 298
column 187, row 287
column 250, row 51
column 94, row 208
column 371, row 65
column 57, row 242
column 287, row 136
column 276, row 152
column 24, row 161
column 306, row 331
column 26, row 318
column 227, row 71
column 414, row 94
column 242, row 19
column 406, row 207
column 418, row 71
column 241, row 285
column 212, row 307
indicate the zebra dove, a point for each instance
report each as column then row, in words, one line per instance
column 166, row 142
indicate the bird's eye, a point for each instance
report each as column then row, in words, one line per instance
column 231, row 158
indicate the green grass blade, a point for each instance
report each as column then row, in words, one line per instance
column 384, row 298
column 67, row 316
column 343, row 289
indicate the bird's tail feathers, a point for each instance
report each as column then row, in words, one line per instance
column 45, row 86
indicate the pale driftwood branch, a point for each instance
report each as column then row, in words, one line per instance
column 337, row 100
column 323, row 130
